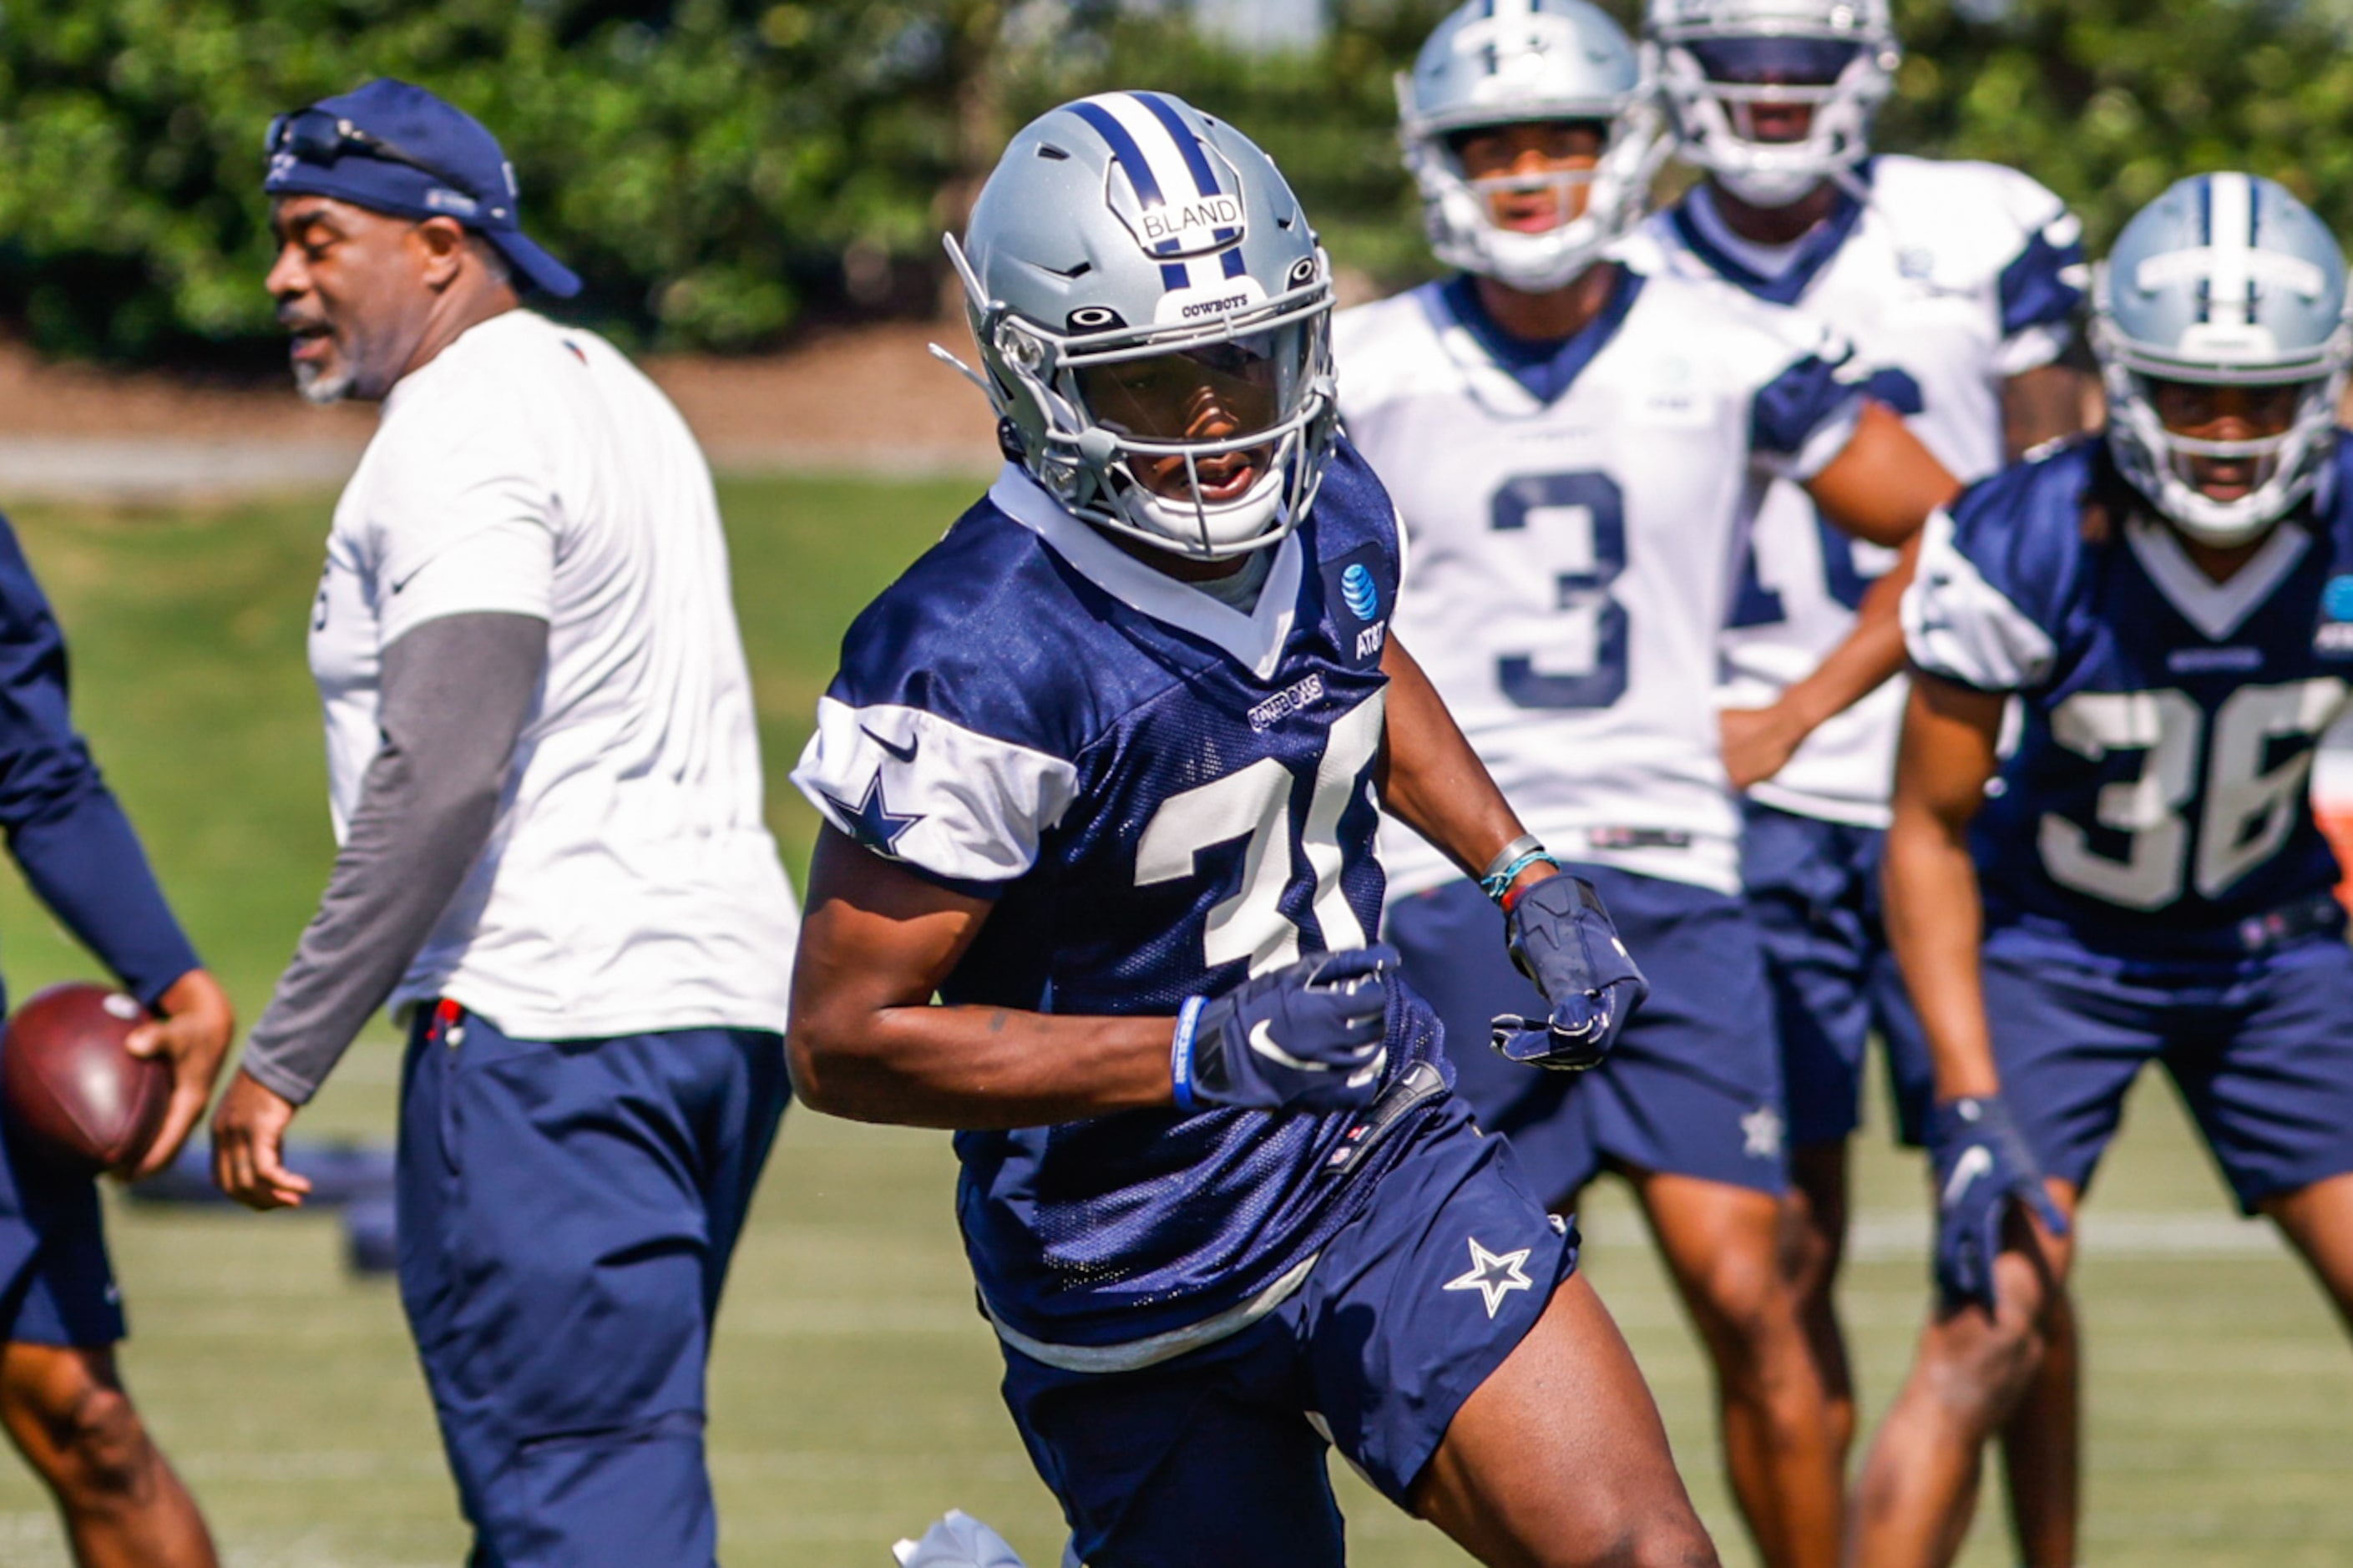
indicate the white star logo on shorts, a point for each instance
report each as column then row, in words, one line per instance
column 1494, row 1275
column 1762, row 1128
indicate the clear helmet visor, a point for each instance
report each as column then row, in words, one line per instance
column 1774, row 61
column 1205, row 426
column 1532, row 177
column 2228, row 441
column 1770, row 88
column 1212, row 393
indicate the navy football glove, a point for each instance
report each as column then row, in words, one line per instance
column 1313, row 1034
column 1983, row 1165
column 1560, row 936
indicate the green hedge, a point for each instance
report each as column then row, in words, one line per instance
column 714, row 168
column 695, row 162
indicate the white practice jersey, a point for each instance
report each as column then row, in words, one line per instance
column 629, row 884
column 1576, row 527
column 1952, row 278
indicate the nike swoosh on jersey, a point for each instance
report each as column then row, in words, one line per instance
column 905, row 754
column 1974, row 1162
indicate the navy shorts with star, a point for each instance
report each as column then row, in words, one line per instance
column 2261, row 1052
column 1693, row 1086
column 1217, row 1456
column 1813, row 886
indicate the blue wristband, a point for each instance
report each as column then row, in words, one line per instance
column 1180, row 1051
column 1497, row 885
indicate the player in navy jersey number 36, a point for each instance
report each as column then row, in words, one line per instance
column 2171, row 608
column 1103, row 771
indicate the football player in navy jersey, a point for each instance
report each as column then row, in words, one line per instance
column 1959, row 281
column 1577, row 444
column 1103, row 771
column 2171, row 608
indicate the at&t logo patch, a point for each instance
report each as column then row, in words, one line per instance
column 2334, row 634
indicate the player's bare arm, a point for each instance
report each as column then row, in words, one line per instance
column 1435, row 782
column 1759, row 741
column 2041, row 405
column 1935, row 924
column 867, row 1043
column 1947, row 756
column 1884, row 483
column 1880, row 488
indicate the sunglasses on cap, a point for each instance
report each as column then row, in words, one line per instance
column 317, row 136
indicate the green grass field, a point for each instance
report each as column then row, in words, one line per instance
column 854, row 1389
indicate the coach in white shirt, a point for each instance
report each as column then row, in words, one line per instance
column 546, row 785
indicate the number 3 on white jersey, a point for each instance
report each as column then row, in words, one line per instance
column 1255, row 801
column 2249, row 808
column 1586, row 512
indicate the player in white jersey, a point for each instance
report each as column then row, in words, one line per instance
column 1575, row 450
column 1958, row 282
column 546, row 781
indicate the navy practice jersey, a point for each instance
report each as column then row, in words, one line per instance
column 1161, row 795
column 2156, row 804
column 64, row 828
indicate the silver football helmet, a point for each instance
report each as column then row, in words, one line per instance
column 1152, row 316
column 2224, row 281
column 1715, row 60
column 1503, row 62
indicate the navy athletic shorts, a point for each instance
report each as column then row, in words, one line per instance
column 1693, row 1085
column 568, row 1210
column 1217, row 1456
column 1813, row 888
column 57, row 1287
column 2261, row 1052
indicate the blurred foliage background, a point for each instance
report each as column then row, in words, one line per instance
column 721, row 170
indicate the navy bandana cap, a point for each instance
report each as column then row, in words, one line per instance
column 477, row 188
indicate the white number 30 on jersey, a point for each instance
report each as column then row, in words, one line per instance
column 1255, row 801
column 2249, row 808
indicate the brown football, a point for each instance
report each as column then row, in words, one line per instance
column 71, row 1088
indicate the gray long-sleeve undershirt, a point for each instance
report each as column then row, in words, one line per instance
column 454, row 694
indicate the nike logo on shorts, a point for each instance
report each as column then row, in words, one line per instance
column 905, row 754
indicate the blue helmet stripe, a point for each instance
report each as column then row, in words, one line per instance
column 1205, row 178
column 1123, row 151
column 1176, row 275
column 1234, row 267
column 2205, row 239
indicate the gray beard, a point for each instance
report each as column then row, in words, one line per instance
column 320, row 387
